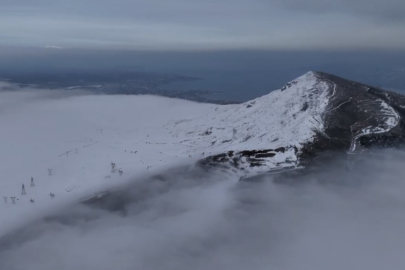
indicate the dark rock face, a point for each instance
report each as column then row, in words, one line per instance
column 358, row 117
column 246, row 159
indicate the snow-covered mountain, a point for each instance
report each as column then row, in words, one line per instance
column 78, row 137
column 288, row 127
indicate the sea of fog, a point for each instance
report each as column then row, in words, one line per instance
column 347, row 214
column 337, row 217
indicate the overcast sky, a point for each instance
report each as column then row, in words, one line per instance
column 204, row 24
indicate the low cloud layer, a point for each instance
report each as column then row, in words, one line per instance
column 204, row 25
column 337, row 218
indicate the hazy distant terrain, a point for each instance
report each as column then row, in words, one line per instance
column 203, row 76
column 112, row 83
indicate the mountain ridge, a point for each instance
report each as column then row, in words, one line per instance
column 314, row 113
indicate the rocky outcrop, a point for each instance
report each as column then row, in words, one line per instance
column 264, row 161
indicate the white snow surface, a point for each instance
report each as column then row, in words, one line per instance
column 41, row 130
column 79, row 136
column 289, row 117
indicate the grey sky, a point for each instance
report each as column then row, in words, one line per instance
column 208, row 24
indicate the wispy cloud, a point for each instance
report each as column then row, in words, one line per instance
column 53, row 47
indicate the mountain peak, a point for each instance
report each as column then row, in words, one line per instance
column 308, row 79
column 284, row 129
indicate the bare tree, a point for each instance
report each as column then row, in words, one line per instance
column 32, row 182
column 49, row 172
column 120, row 171
column 13, row 199
column 23, row 192
column 112, row 167
column 52, row 195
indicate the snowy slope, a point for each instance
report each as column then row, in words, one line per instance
column 43, row 130
column 289, row 117
column 78, row 136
